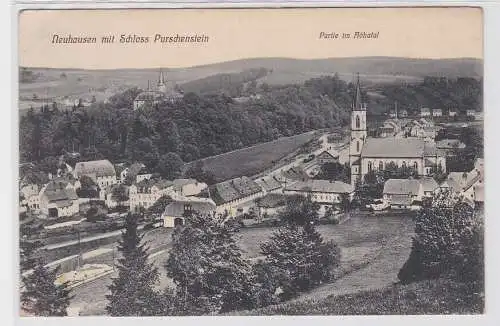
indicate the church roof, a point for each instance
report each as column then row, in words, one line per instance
column 393, row 147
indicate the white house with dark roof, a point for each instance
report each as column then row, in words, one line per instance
column 145, row 193
column 234, row 196
column 324, row 192
column 102, row 172
column 31, row 196
column 269, row 185
column 437, row 113
column 176, row 212
column 326, row 156
column 58, row 198
column 188, row 187
column 425, row 112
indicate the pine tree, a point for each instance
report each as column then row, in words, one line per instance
column 132, row 292
column 40, row 295
column 207, row 268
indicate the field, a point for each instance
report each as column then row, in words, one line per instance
column 373, row 249
column 252, row 160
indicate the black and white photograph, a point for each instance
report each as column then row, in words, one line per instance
column 250, row 162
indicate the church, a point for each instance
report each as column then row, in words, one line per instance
column 165, row 92
column 370, row 154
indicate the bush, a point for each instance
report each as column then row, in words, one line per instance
column 448, row 240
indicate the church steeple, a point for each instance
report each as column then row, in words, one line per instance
column 358, row 134
column 357, row 102
column 161, row 82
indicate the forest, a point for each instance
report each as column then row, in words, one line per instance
column 200, row 125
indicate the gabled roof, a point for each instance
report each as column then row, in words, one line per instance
column 237, row 188
column 465, row 180
column 393, row 147
column 326, row 186
column 269, row 183
column 428, row 184
column 328, row 154
column 401, row 186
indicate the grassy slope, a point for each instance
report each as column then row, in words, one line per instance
column 426, row 297
column 252, row 160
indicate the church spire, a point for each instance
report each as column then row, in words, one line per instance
column 357, row 103
column 161, row 79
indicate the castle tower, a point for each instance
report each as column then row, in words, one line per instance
column 161, row 82
column 358, row 134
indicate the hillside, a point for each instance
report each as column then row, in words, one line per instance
column 439, row 296
column 40, row 83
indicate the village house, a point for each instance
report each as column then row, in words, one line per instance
column 452, row 113
column 270, row 204
column 437, row 113
column 403, row 193
column 188, row 187
column 135, row 173
column 429, row 186
column 109, row 199
column 102, row 172
column 236, row 196
column 327, row 156
column 470, row 185
column 471, row 113
column 292, row 175
column 269, row 185
column 403, row 113
column 145, row 193
column 176, row 212
column 450, row 147
column 324, row 192
column 58, row 198
column 425, row 112
column 31, row 196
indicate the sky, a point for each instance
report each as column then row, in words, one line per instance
column 245, row 33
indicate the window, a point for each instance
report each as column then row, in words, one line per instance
column 370, row 166
column 415, row 165
column 404, row 164
column 357, row 146
column 357, row 122
column 381, row 165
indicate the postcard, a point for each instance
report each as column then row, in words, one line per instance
column 251, row 161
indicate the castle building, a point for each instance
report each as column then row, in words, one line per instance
column 165, row 92
column 370, row 154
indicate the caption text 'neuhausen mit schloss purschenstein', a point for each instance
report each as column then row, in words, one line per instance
column 129, row 38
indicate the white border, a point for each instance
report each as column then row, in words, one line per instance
column 9, row 138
